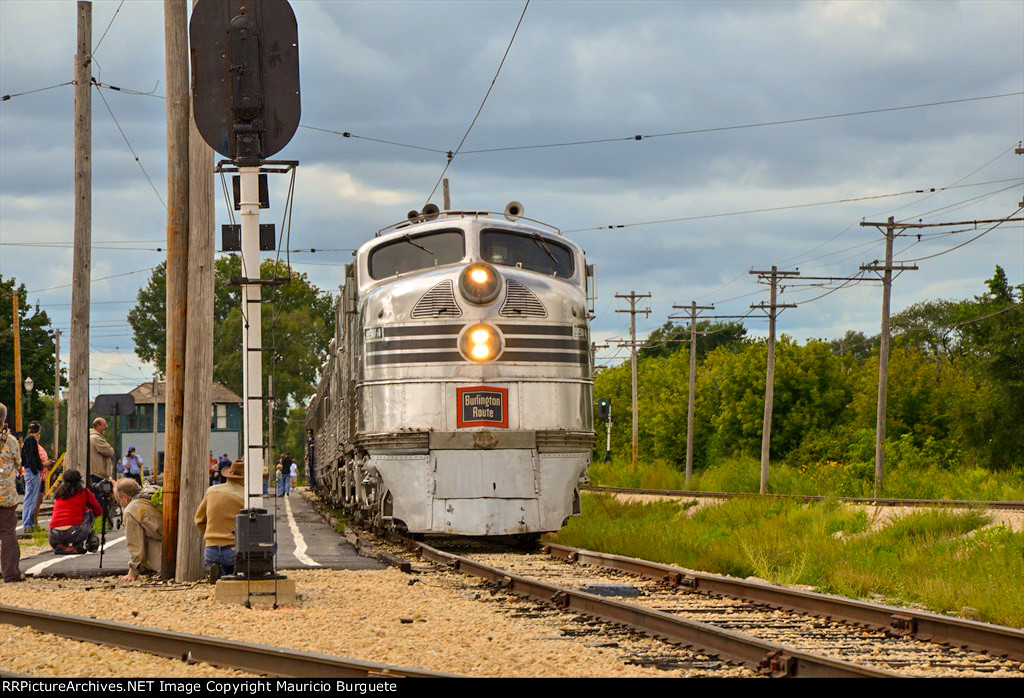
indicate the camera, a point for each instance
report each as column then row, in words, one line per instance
column 102, row 489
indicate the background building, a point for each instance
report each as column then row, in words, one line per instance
column 137, row 429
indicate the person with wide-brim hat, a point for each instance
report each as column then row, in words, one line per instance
column 215, row 518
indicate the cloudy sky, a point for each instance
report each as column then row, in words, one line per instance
column 693, row 194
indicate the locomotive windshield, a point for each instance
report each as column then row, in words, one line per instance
column 531, row 251
column 413, row 252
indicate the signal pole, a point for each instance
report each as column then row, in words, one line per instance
column 633, row 297
column 773, row 277
column 78, row 368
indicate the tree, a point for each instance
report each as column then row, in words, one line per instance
column 37, row 347
column 298, row 322
column 993, row 337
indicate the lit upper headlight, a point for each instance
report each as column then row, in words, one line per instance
column 480, row 283
column 480, row 343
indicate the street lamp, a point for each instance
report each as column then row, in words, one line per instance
column 29, row 384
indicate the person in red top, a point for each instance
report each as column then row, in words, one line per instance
column 74, row 510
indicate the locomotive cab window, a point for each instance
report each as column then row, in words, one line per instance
column 533, row 252
column 414, row 252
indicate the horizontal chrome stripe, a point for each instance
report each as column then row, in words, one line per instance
column 431, row 357
column 423, row 357
column 557, row 330
column 530, row 343
column 381, row 345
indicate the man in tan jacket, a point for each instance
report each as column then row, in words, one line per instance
column 101, row 453
column 143, row 526
column 216, row 520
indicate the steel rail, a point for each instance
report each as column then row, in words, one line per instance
column 996, row 640
column 960, row 503
column 258, row 659
column 760, row 655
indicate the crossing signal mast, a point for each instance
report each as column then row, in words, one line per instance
column 604, row 412
column 245, row 95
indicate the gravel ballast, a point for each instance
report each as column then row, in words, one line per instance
column 435, row 620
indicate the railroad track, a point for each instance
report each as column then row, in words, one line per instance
column 243, row 656
column 959, row 503
column 797, row 635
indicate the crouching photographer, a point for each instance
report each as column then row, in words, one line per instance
column 74, row 510
column 143, row 526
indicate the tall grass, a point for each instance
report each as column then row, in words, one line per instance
column 927, row 557
column 739, row 474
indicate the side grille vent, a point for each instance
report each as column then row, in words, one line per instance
column 438, row 302
column 520, row 302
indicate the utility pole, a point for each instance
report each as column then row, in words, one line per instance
column 156, row 416
column 883, row 356
column 195, row 450
column 693, row 382
column 178, row 99
column 81, row 274
column 769, row 383
column 633, row 297
column 447, row 195
column 16, row 328
column 56, row 396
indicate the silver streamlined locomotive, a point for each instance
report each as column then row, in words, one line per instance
column 457, row 394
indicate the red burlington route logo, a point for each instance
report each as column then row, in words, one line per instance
column 481, row 406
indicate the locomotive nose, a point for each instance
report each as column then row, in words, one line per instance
column 480, row 283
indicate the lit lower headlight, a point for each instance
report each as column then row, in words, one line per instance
column 480, row 343
column 480, row 283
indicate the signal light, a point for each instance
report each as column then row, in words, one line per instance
column 604, row 409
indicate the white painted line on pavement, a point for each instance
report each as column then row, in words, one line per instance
column 60, row 558
column 300, row 542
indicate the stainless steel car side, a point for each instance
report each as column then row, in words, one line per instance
column 457, row 393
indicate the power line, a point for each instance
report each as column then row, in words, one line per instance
column 97, row 46
column 41, row 89
column 451, row 155
column 146, row 174
column 968, row 242
column 102, row 278
column 641, row 137
column 784, row 208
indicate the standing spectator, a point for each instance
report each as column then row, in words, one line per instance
column 133, row 465
column 215, row 519
column 213, row 468
column 10, row 461
column 279, row 478
column 223, row 465
column 294, row 473
column 266, row 479
column 143, row 526
column 45, row 478
column 286, row 464
column 310, row 457
column 101, row 454
column 33, row 465
column 74, row 510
